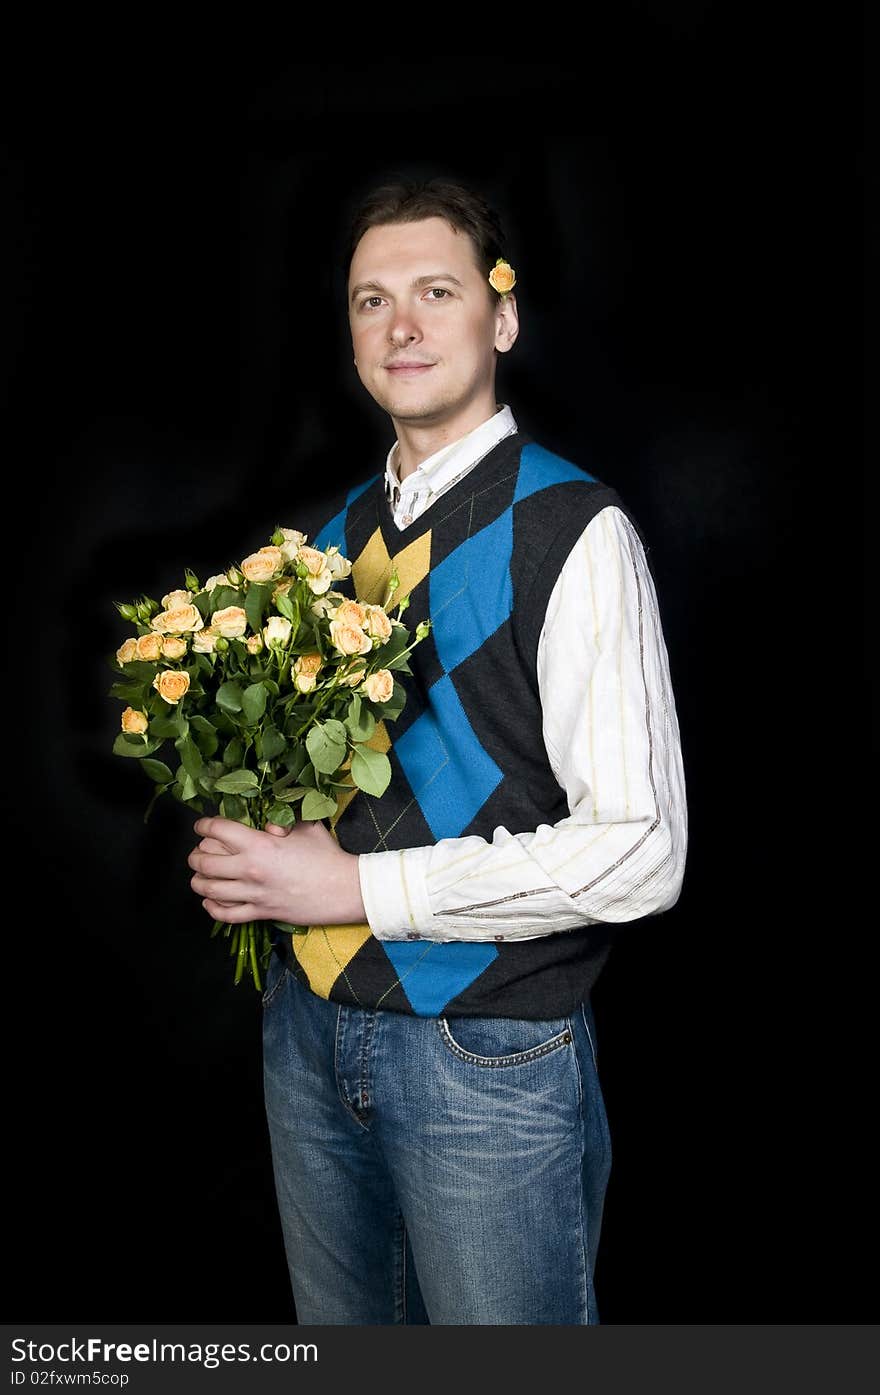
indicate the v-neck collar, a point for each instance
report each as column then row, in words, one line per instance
column 500, row 462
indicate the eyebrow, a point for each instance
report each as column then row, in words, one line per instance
column 414, row 285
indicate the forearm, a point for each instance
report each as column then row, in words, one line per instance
column 522, row 886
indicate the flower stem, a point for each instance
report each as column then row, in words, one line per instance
column 255, row 970
column 242, row 952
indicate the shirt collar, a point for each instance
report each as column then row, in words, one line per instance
column 450, row 460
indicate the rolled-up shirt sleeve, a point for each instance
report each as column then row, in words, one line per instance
column 612, row 738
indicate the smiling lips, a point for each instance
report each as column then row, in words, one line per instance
column 408, row 367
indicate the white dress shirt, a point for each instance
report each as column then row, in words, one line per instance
column 611, row 735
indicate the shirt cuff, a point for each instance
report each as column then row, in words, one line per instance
column 394, row 893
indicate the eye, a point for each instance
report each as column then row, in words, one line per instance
column 441, row 289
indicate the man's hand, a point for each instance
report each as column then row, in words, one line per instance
column 298, row 874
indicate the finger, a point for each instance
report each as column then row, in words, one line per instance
column 213, row 845
column 278, row 829
column 235, row 837
column 225, row 865
column 231, row 915
column 236, row 893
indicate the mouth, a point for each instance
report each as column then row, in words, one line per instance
column 407, row 370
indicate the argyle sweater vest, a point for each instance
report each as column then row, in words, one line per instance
column 467, row 751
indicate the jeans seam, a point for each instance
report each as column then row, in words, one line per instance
column 267, row 998
column 590, row 1037
column 582, row 1219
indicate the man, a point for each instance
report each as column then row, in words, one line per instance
column 439, row 1138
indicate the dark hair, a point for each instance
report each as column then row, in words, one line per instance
column 409, row 201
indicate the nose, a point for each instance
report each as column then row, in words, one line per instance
column 403, row 328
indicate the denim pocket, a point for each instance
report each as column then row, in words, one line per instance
column 503, row 1041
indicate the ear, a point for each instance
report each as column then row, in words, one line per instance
column 506, row 323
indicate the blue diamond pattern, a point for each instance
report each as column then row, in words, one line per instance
column 334, row 531
column 448, row 771
column 434, row 974
column 539, row 468
column 471, row 592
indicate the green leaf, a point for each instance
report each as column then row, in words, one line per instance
column 318, row 806
column 234, row 753
column 158, row 771
column 243, row 782
column 281, row 814
column 253, row 703
column 284, row 607
column 326, row 744
column 206, row 782
column 190, row 756
column 127, row 692
column 126, row 745
column 385, row 654
column 186, row 786
column 205, row 735
column 229, row 697
column 233, row 807
column 223, row 596
column 256, row 603
column 140, row 669
column 370, row 770
column 269, row 743
column 360, row 721
column 165, row 727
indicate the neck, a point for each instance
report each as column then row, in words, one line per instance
column 417, row 441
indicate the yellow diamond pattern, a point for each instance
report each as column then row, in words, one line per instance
column 325, row 950
column 372, row 569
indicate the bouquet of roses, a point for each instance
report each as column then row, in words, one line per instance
column 257, row 694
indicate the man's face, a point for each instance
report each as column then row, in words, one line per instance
column 417, row 296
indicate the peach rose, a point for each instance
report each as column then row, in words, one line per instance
column 127, row 651
column 221, row 579
column 134, row 722
column 183, row 619
column 320, row 577
column 338, row 565
column 305, row 672
column 377, row 622
column 293, row 541
column 502, row 277
column 277, row 630
column 349, row 639
column 283, row 587
column 171, row 684
column 173, row 647
column 352, row 613
column 353, row 673
column 254, row 643
column 327, row 604
column 379, row 686
column 263, row 564
column 231, row 622
column 204, row 641
column 175, row 599
column 150, row 647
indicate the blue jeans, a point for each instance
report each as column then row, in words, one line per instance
column 432, row 1170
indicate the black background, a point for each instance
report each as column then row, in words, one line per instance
column 180, row 380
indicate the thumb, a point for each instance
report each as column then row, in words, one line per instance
column 277, row 829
